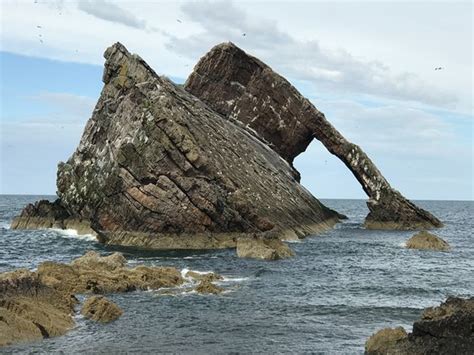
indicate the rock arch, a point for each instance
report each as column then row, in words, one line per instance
column 246, row 90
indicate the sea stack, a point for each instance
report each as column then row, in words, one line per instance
column 245, row 90
column 158, row 168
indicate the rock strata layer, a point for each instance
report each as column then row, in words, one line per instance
column 245, row 90
column 446, row 329
column 157, row 168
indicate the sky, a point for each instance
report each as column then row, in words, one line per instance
column 369, row 66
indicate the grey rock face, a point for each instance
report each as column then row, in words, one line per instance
column 158, row 168
column 243, row 89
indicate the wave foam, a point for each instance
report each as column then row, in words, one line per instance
column 5, row 225
column 72, row 234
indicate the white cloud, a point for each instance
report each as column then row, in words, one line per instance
column 70, row 104
column 330, row 69
column 109, row 11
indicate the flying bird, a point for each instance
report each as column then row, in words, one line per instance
column 439, row 68
column 178, row 20
column 244, row 34
column 39, row 26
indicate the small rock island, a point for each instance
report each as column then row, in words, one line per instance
column 160, row 166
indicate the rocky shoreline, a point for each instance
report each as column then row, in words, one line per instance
column 40, row 304
column 446, row 329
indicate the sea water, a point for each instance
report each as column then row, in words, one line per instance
column 342, row 286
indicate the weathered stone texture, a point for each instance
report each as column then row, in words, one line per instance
column 155, row 162
column 244, row 89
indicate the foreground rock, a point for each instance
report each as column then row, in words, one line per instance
column 384, row 339
column 101, row 309
column 247, row 91
column 446, row 329
column 157, row 168
column 207, row 287
column 36, row 305
column 93, row 273
column 30, row 310
column 427, row 241
column 266, row 249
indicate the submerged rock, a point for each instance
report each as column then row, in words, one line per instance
column 427, row 241
column 208, row 276
column 157, row 168
column 247, row 91
column 207, row 287
column 446, row 329
column 101, row 309
column 266, row 249
column 30, row 310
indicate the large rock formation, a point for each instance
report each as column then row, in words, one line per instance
column 446, row 329
column 243, row 89
column 158, row 168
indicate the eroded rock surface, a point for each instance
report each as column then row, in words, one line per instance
column 101, row 309
column 93, row 273
column 46, row 214
column 37, row 305
column 157, row 168
column 30, row 310
column 245, row 90
column 265, row 249
column 446, row 329
column 427, row 241
column 379, row 342
column 207, row 287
